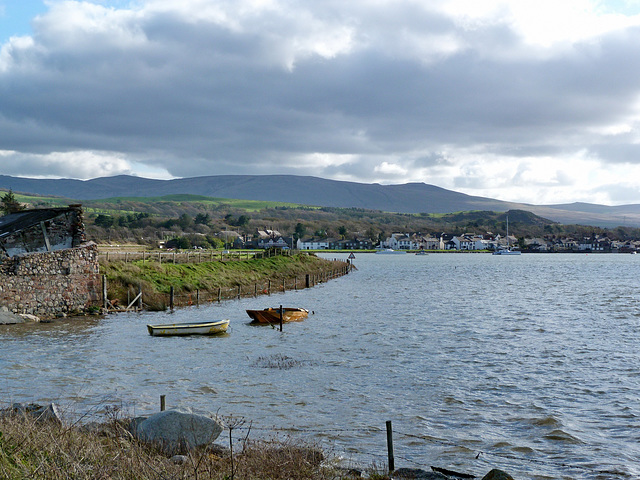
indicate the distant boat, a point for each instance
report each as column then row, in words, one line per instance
column 272, row 315
column 389, row 251
column 191, row 328
column 421, row 252
column 507, row 251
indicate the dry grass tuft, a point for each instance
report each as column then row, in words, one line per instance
column 107, row 451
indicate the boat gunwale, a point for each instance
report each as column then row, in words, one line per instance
column 174, row 326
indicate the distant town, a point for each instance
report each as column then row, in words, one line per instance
column 265, row 239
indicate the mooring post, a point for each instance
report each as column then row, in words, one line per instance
column 239, row 292
column 105, row 300
column 140, row 297
column 171, row 295
column 281, row 317
column 162, row 402
column 219, row 294
column 198, row 297
column 392, row 465
column 269, row 287
column 307, row 280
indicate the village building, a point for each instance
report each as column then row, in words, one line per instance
column 312, row 243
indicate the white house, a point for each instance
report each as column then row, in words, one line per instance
column 469, row 242
column 430, row 243
column 401, row 241
column 313, row 244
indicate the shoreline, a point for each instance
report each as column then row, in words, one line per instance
column 37, row 438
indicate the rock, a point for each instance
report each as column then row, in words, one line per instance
column 179, row 459
column 179, row 430
column 496, row 474
column 29, row 318
column 219, row 450
column 418, row 474
column 50, row 413
column 8, row 318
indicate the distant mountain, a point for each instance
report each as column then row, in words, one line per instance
column 406, row 198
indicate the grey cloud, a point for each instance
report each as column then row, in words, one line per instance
column 201, row 98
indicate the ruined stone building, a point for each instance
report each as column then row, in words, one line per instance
column 46, row 266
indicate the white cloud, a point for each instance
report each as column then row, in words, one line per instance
column 77, row 164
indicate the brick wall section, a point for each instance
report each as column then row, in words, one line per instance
column 49, row 284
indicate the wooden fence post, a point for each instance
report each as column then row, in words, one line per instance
column 171, row 297
column 105, row 300
column 392, row 465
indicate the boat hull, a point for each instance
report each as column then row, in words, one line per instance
column 193, row 328
column 272, row 315
column 507, row 252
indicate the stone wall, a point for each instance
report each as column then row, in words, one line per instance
column 52, row 283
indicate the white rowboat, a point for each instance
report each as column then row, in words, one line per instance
column 192, row 328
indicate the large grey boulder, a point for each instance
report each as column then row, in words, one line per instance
column 178, row 430
column 8, row 318
column 497, row 474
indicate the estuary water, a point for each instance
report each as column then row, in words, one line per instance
column 527, row 363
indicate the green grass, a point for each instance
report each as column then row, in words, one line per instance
column 157, row 279
column 248, row 205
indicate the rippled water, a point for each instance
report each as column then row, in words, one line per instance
column 525, row 363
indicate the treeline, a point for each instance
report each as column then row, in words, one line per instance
column 201, row 224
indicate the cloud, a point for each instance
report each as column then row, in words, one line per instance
column 485, row 97
column 60, row 164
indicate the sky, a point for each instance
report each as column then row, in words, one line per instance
column 534, row 101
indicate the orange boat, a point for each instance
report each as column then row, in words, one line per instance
column 272, row 315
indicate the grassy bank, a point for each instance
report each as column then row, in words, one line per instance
column 40, row 450
column 124, row 280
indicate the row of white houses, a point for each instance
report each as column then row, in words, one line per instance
column 404, row 241
column 470, row 242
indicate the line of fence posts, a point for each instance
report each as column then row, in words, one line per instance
column 191, row 257
column 310, row 280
